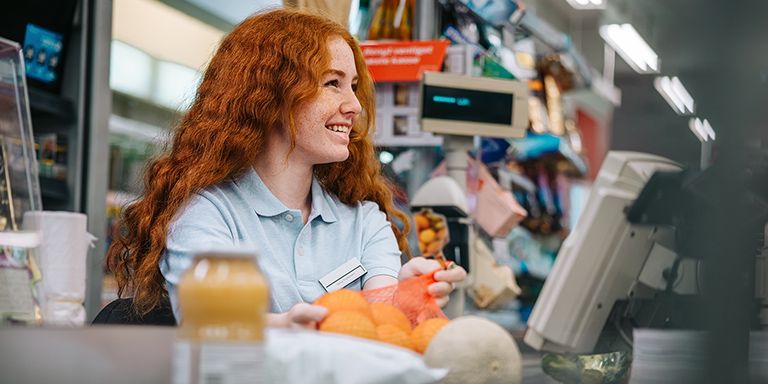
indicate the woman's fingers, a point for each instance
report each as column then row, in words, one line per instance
column 445, row 284
column 440, row 289
column 445, row 279
column 424, row 266
column 306, row 315
column 453, row 275
column 417, row 266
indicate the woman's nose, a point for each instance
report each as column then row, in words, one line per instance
column 350, row 105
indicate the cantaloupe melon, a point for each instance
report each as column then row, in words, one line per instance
column 475, row 350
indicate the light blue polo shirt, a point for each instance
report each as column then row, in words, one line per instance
column 292, row 255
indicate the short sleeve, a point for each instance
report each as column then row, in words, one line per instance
column 381, row 254
column 200, row 226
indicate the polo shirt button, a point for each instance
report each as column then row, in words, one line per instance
column 288, row 217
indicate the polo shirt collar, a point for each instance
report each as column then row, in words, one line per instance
column 323, row 204
column 266, row 204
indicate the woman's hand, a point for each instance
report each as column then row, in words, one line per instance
column 446, row 279
column 300, row 316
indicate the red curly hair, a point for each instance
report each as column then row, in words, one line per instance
column 264, row 68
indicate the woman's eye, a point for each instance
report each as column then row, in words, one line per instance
column 354, row 87
column 332, row 83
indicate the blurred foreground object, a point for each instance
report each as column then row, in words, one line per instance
column 605, row 368
column 475, row 350
column 224, row 300
column 62, row 256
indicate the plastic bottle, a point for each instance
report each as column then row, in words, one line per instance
column 223, row 299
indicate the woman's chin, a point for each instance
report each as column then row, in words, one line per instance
column 336, row 157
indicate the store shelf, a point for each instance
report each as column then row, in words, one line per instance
column 138, row 130
column 120, row 198
column 536, row 145
column 50, row 105
column 576, row 160
column 508, row 177
column 53, row 189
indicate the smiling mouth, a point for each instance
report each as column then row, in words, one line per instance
column 338, row 128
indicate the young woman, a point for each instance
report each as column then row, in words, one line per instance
column 275, row 153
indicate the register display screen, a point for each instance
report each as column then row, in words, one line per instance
column 466, row 105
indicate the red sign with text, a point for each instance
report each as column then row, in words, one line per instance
column 403, row 60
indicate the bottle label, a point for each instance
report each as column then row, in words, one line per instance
column 182, row 362
column 231, row 363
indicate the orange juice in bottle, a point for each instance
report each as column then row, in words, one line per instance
column 224, row 300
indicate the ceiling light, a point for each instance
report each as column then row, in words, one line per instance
column 587, row 4
column 697, row 127
column 625, row 40
column 675, row 94
column 176, row 85
column 701, row 129
column 386, row 157
column 130, row 70
column 708, row 130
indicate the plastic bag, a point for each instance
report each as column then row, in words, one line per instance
column 432, row 231
column 315, row 357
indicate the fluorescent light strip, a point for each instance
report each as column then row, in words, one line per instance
column 673, row 91
column 587, row 4
column 708, row 130
column 697, row 127
column 625, row 40
column 702, row 129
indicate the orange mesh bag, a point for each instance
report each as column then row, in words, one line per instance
column 403, row 314
column 409, row 296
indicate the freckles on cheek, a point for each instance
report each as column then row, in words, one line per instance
column 301, row 120
column 305, row 119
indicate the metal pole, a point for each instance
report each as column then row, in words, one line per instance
column 426, row 13
column 609, row 63
column 706, row 154
column 98, row 109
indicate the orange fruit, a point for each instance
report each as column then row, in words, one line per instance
column 343, row 300
column 427, row 235
column 421, row 222
column 384, row 313
column 433, row 247
column 351, row 323
column 424, row 332
column 391, row 334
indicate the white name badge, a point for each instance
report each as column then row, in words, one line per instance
column 343, row 275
